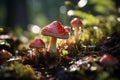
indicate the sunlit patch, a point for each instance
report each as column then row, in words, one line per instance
column 16, row 58
column 67, row 2
column 34, row 28
column 31, row 53
column 23, row 39
column 74, row 68
column 70, row 13
column 118, row 19
column 1, row 29
column 93, row 68
column 65, row 69
column 95, row 27
column 82, row 3
column 4, row 37
column 63, row 9
column 108, row 37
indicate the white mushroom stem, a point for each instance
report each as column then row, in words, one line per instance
column 52, row 45
column 76, row 33
column 76, row 37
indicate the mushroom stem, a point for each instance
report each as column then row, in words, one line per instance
column 52, row 45
column 76, row 34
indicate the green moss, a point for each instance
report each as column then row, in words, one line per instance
column 22, row 72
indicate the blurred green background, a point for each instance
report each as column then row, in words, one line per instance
column 41, row 12
column 100, row 18
column 23, row 12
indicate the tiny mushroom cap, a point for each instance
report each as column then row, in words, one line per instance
column 108, row 59
column 55, row 29
column 37, row 43
column 68, row 29
column 4, row 54
column 76, row 22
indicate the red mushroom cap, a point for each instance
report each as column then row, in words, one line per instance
column 55, row 29
column 76, row 22
column 4, row 54
column 108, row 59
column 37, row 43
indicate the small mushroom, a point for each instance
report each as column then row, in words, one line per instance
column 4, row 56
column 68, row 29
column 76, row 23
column 55, row 30
column 108, row 59
column 37, row 44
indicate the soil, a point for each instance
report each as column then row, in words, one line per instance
column 82, row 62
